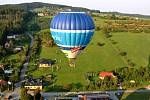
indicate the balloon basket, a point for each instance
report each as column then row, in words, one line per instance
column 72, row 62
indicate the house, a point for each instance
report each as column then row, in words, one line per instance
column 8, row 71
column 43, row 14
column 2, row 82
column 132, row 81
column 33, row 87
column 40, row 14
column 102, row 75
column 7, row 45
column 18, row 48
column 33, row 84
column 12, row 36
column 45, row 63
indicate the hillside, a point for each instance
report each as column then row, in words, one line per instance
column 125, row 14
column 34, row 5
column 31, row 6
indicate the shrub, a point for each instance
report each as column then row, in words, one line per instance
column 123, row 53
column 100, row 44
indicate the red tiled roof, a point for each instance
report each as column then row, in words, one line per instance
column 106, row 74
column 2, row 82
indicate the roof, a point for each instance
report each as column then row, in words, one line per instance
column 106, row 74
column 2, row 66
column 46, row 61
column 3, row 82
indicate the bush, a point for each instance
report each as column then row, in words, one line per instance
column 114, row 42
column 97, row 28
column 67, row 87
column 123, row 53
column 100, row 44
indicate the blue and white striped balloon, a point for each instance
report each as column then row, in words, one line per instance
column 72, row 31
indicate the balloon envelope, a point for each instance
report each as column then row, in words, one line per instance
column 72, row 31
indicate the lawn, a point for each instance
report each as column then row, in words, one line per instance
column 98, row 58
column 94, row 58
column 136, row 45
column 136, row 96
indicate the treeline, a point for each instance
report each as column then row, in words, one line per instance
column 35, row 50
column 113, row 23
column 135, row 26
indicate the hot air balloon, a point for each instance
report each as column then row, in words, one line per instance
column 72, row 31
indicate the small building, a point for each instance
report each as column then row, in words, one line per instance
column 8, row 71
column 102, row 75
column 7, row 45
column 132, row 81
column 34, row 87
column 3, row 82
column 40, row 14
column 33, row 84
column 13, row 36
column 43, row 14
column 45, row 63
column 18, row 48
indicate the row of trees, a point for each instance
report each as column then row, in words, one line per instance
column 46, row 38
column 126, row 26
column 36, row 48
column 124, row 76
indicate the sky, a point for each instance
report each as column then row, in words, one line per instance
column 124, row 6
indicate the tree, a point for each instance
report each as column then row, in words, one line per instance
column 37, row 94
column 106, row 29
column 113, row 16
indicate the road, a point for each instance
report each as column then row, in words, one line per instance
column 111, row 93
column 16, row 92
column 24, row 69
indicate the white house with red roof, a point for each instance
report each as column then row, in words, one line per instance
column 103, row 74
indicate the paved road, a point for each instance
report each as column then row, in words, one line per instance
column 16, row 92
column 111, row 93
column 24, row 69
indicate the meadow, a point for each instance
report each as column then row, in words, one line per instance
column 135, row 96
column 97, row 58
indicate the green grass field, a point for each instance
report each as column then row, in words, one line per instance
column 94, row 58
column 136, row 45
column 135, row 96
column 97, row 58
